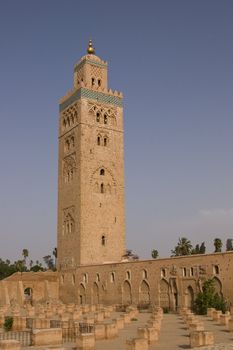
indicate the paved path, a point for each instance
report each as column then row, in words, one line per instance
column 129, row 331
column 174, row 335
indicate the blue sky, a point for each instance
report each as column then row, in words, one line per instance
column 173, row 61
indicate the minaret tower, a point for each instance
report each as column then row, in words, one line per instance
column 91, row 214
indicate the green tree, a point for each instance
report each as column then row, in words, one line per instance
column 196, row 250
column 154, row 254
column 183, row 247
column 208, row 298
column 20, row 266
column 49, row 262
column 229, row 245
column 8, row 323
column 217, row 245
column 202, row 248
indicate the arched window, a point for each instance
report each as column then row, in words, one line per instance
column 97, row 117
column 102, row 188
column 163, row 273
column 128, row 275
column 99, row 82
column 92, row 81
column 71, row 227
column 191, row 271
column 105, row 119
column 112, row 277
column 67, row 145
column 102, row 172
column 216, row 269
column 103, row 240
column 184, row 271
column 105, row 141
column 144, row 274
column 85, row 277
column 97, row 277
column 73, row 279
column 98, row 140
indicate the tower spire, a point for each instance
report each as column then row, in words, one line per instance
column 90, row 48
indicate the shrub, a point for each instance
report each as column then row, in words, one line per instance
column 166, row 310
column 209, row 298
column 8, row 324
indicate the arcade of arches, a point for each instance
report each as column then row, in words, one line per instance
column 161, row 282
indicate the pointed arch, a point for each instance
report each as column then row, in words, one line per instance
column 108, row 173
column 95, row 293
column 164, row 294
column 144, row 293
column 82, row 294
column 189, row 297
column 126, row 293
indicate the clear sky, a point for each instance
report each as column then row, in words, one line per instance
column 173, row 60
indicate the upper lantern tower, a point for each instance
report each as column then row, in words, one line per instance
column 91, row 215
column 91, row 70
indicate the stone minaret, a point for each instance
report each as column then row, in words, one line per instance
column 91, row 214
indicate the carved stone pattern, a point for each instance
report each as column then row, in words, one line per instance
column 111, row 113
column 69, row 117
column 79, row 74
column 108, row 181
column 69, row 143
column 96, row 72
column 69, row 167
column 68, row 220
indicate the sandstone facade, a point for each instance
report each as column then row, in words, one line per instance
column 91, row 222
column 42, row 285
column 170, row 283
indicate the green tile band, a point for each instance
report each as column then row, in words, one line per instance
column 94, row 63
column 92, row 95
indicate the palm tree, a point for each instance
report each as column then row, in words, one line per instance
column 184, row 247
column 218, row 245
column 25, row 254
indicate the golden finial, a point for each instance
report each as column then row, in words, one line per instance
column 90, row 48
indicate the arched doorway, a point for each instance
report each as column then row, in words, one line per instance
column 82, row 294
column 126, row 293
column 174, row 294
column 189, row 297
column 144, row 293
column 164, row 294
column 95, row 293
column 28, row 294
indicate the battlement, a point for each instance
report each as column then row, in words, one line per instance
column 96, row 92
column 95, row 88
